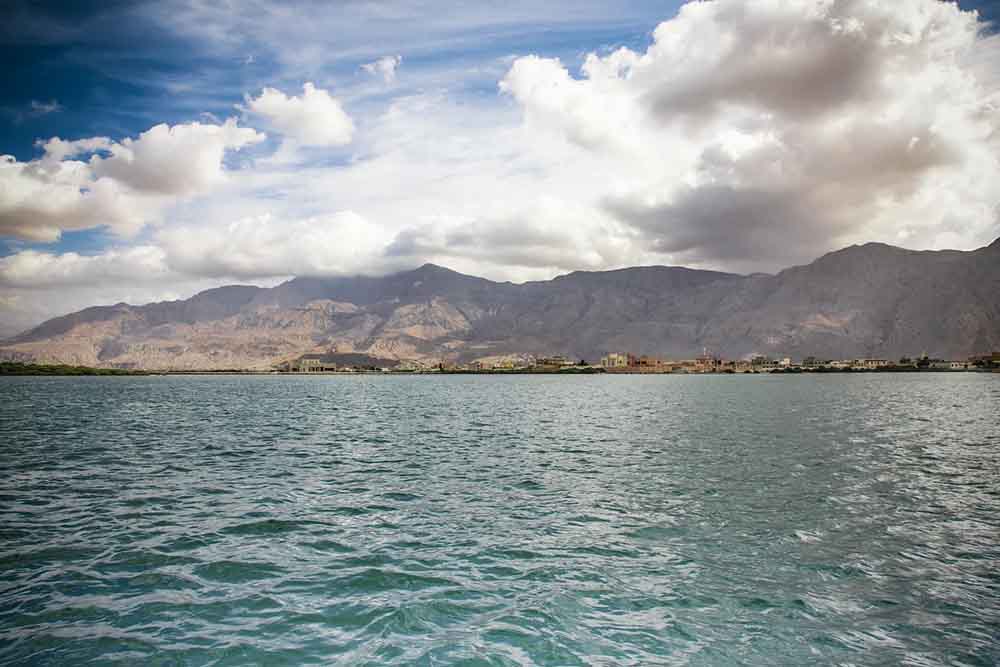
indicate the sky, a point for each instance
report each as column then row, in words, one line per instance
column 149, row 150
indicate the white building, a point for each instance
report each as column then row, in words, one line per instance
column 615, row 360
column 871, row 363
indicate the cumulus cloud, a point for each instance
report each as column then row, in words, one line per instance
column 178, row 160
column 31, row 269
column 766, row 133
column 385, row 67
column 41, row 199
column 533, row 236
column 266, row 246
column 123, row 185
column 315, row 118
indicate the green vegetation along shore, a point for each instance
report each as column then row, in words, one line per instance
column 14, row 368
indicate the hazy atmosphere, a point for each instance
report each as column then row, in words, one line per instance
column 154, row 149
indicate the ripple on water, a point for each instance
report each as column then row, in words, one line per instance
column 236, row 572
column 500, row 521
column 268, row 527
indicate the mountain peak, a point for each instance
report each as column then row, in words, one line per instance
column 437, row 273
column 858, row 250
column 429, row 267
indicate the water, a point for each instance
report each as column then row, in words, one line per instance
column 485, row 520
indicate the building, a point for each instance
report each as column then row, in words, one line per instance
column 646, row 361
column 986, row 360
column 761, row 363
column 617, row 360
column 871, row 364
column 309, row 363
column 557, row 361
column 707, row 363
column 740, row 366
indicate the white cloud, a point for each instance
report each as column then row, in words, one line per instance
column 42, row 198
column 265, row 246
column 178, row 160
column 595, row 114
column 430, row 168
column 123, row 185
column 754, row 134
column 532, row 236
column 385, row 67
column 56, row 149
column 31, row 269
column 314, row 119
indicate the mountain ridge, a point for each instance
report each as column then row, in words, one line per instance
column 871, row 299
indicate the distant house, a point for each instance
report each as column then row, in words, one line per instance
column 986, row 360
column 707, row 362
column 617, row 360
column 646, row 361
column 741, row 366
column 762, row 363
column 557, row 361
column 871, row 364
column 309, row 363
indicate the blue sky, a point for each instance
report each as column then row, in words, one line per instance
column 641, row 133
column 113, row 69
column 116, row 67
column 112, row 65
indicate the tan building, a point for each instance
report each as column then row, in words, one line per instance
column 617, row 360
column 309, row 363
column 871, row 364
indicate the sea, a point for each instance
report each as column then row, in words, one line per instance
column 841, row 519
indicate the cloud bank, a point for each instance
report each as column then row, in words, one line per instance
column 123, row 185
column 769, row 132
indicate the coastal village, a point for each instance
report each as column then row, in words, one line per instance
column 628, row 363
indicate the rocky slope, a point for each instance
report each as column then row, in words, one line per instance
column 870, row 300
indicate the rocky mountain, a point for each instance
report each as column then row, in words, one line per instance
column 869, row 300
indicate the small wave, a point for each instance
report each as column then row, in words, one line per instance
column 267, row 527
column 235, row 572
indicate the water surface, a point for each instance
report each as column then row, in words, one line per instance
column 501, row 520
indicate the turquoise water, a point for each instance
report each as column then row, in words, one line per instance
column 490, row 520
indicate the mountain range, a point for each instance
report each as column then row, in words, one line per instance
column 871, row 300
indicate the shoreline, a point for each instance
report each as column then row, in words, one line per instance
column 44, row 370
